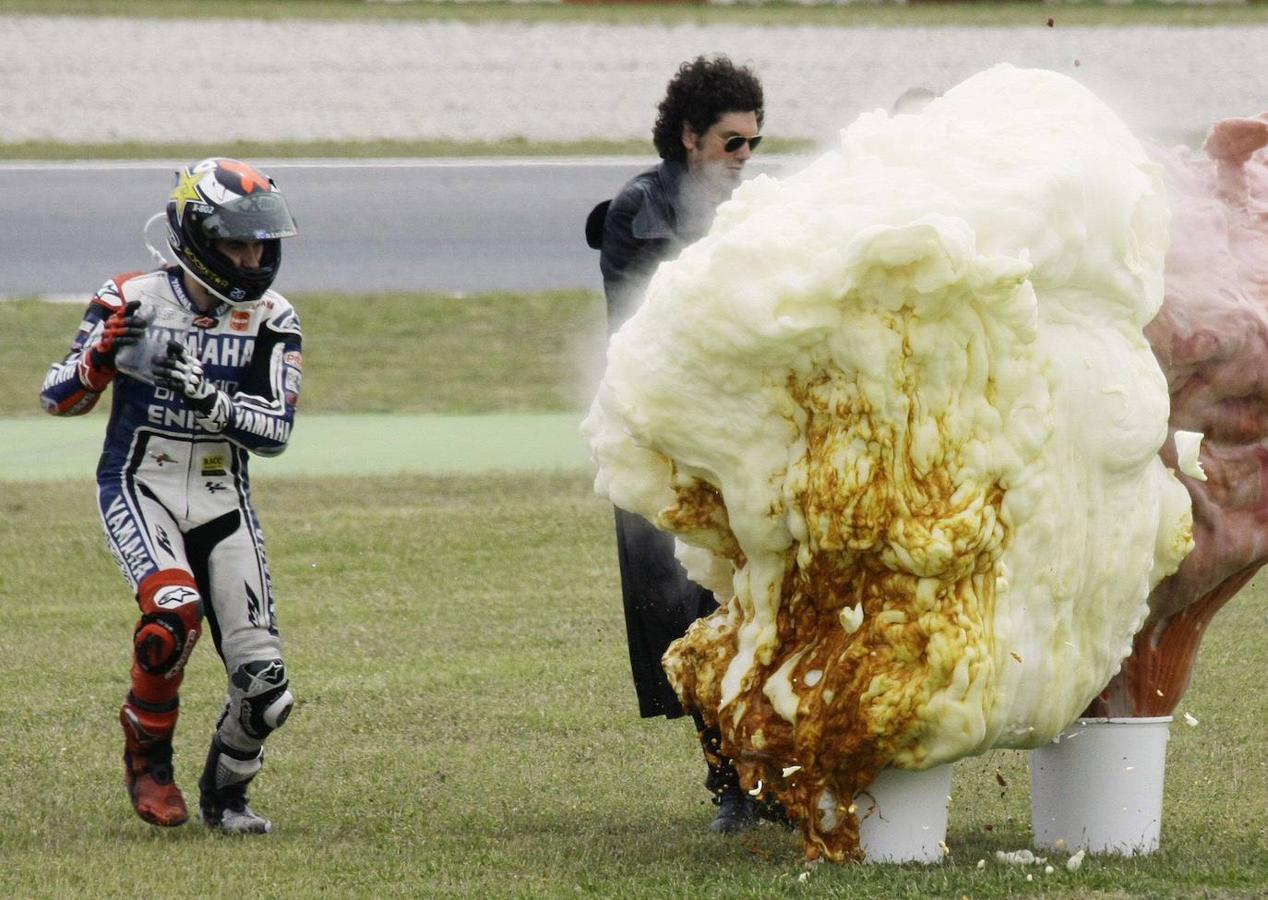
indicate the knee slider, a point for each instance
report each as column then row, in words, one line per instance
column 159, row 642
column 263, row 695
column 171, row 612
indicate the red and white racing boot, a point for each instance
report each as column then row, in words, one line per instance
column 147, row 772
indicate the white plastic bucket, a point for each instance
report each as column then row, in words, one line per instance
column 1098, row 786
column 903, row 815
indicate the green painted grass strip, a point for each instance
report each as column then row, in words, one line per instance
column 47, row 449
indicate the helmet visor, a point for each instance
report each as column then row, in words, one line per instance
column 259, row 216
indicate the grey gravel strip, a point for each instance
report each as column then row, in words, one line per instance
column 108, row 79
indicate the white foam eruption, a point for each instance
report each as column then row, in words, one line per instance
column 902, row 405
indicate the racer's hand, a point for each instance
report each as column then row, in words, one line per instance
column 123, row 327
column 183, row 374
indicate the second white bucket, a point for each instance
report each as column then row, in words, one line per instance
column 903, row 815
column 1098, row 786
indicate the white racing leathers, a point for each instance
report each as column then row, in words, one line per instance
column 175, row 499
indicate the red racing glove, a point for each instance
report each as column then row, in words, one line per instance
column 123, row 327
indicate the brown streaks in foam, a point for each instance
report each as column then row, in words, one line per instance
column 700, row 510
column 861, row 694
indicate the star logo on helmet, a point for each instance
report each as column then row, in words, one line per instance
column 186, row 192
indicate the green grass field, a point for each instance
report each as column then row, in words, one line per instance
column 883, row 14
column 410, row 353
column 465, row 726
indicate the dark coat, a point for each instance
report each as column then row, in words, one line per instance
column 649, row 221
column 645, row 224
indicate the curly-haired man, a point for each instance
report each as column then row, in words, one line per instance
column 708, row 125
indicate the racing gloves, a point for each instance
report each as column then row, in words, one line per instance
column 122, row 328
column 183, row 374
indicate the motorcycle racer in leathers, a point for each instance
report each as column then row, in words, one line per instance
column 206, row 365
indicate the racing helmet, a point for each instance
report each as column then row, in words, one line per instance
column 224, row 199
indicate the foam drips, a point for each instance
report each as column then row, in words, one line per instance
column 909, row 380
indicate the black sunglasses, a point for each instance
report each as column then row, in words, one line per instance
column 736, row 141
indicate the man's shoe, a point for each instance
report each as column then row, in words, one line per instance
column 229, row 812
column 148, row 775
column 736, row 811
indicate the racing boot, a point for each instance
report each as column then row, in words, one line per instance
column 222, row 790
column 147, row 767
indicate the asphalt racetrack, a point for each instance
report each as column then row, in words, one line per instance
column 49, row 449
column 450, row 226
